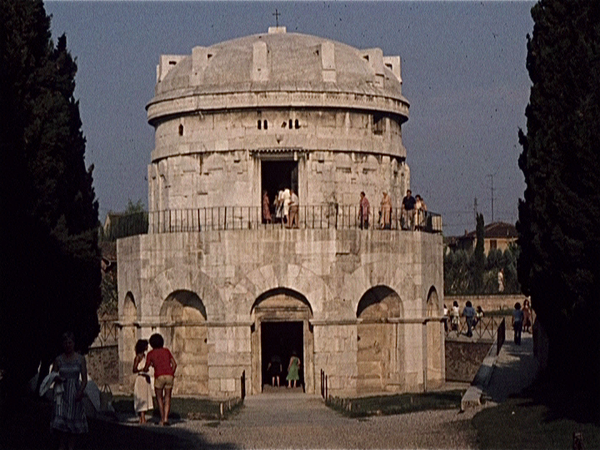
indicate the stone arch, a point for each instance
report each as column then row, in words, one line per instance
column 378, row 273
column 129, row 310
column 275, row 276
column 435, row 340
column 183, row 325
column 380, row 365
column 189, row 278
column 276, row 313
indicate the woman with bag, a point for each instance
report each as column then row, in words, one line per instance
column 142, row 389
column 68, row 416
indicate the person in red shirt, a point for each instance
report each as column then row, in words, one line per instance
column 164, row 372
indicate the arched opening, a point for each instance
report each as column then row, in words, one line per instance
column 183, row 326
column 281, row 326
column 128, row 338
column 380, row 341
column 434, row 341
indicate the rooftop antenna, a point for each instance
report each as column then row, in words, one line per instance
column 276, row 14
column 492, row 194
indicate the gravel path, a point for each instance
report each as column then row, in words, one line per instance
column 302, row 421
column 287, row 419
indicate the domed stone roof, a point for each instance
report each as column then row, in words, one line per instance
column 280, row 62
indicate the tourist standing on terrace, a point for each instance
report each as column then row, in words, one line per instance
column 386, row 212
column 266, row 208
column 408, row 211
column 363, row 211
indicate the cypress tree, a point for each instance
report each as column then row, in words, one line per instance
column 559, row 218
column 479, row 256
column 50, row 265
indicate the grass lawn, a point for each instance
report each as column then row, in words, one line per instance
column 396, row 404
column 543, row 418
column 182, row 408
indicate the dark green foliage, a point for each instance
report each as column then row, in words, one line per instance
column 459, row 272
column 559, row 218
column 479, row 256
column 132, row 222
column 50, row 264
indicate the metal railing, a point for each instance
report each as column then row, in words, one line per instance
column 324, row 386
column 486, row 328
column 108, row 335
column 501, row 336
column 307, row 217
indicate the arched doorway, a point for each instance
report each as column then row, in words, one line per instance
column 380, row 341
column 281, row 325
column 434, row 341
column 183, row 326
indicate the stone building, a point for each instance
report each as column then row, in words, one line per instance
column 228, row 290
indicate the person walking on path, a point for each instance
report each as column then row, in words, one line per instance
column 469, row 314
column 164, row 373
column 142, row 389
column 517, row 322
column 68, row 417
column 275, row 369
column 527, row 322
column 293, row 376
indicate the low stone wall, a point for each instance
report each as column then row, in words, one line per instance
column 487, row 302
column 464, row 358
column 103, row 364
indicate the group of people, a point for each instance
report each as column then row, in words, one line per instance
column 275, row 370
column 69, row 377
column 472, row 317
column 522, row 318
column 286, row 207
column 412, row 212
column 164, row 366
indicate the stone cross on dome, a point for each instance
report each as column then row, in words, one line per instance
column 276, row 14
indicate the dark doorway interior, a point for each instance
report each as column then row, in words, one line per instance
column 278, row 175
column 281, row 338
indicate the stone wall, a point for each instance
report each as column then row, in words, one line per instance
column 487, row 302
column 229, row 272
column 464, row 358
column 103, row 364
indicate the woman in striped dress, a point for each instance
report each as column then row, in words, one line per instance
column 68, row 417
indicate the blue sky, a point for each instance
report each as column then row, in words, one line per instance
column 463, row 68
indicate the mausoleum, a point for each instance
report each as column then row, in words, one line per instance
column 228, row 289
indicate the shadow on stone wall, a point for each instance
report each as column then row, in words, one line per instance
column 463, row 359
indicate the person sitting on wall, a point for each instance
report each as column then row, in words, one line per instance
column 407, row 215
column 478, row 316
